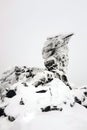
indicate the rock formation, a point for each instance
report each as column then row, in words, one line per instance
column 55, row 52
column 25, row 90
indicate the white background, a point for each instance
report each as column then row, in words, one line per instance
column 25, row 25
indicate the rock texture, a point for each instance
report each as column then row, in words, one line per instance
column 25, row 90
column 55, row 52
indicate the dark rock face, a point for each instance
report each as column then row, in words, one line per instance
column 46, row 109
column 85, row 106
column 51, row 108
column 77, row 100
column 50, row 64
column 41, row 91
column 85, row 94
column 21, row 102
column 55, row 108
column 25, row 84
column 1, row 112
column 10, row 118
column 64, row 78
column 10, row 93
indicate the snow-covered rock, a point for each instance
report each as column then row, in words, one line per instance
column 42, row 93
column 55, row 52
column 26, row 92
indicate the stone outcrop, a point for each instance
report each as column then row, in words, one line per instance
column 55, row 52
column 35, row 89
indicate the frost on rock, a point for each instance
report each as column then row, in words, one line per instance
column 55, row 52
column 25, row 90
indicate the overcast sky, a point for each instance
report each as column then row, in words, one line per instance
column 25, row 25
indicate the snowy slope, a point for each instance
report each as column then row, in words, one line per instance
column 26, row 99
column 70, row 119
column 36, row 98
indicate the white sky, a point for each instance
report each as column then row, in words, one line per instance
column 25, row 25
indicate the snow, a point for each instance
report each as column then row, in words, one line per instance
column 51, row 92
column 70, row 119
column 34, row 98
column 29, row 115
